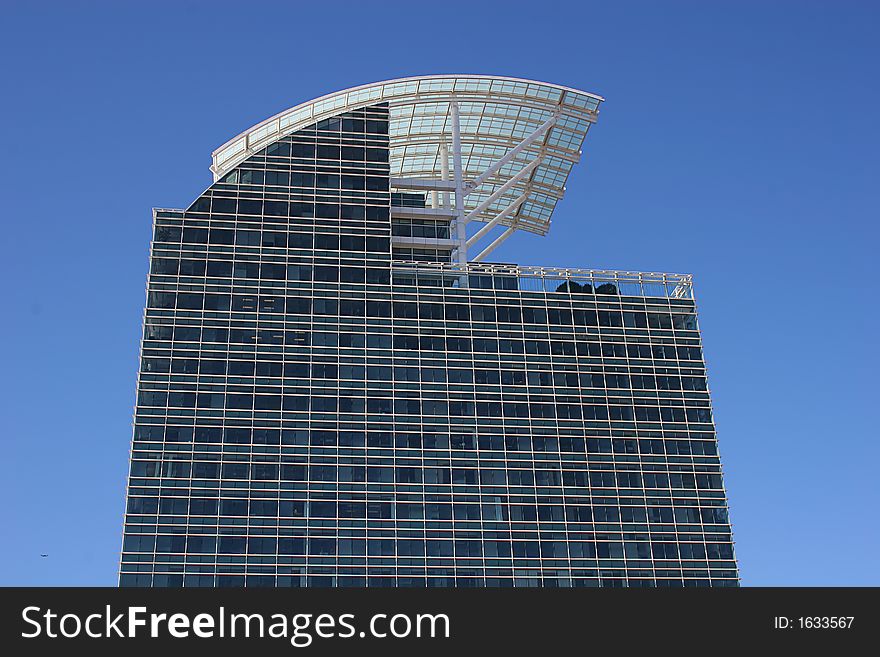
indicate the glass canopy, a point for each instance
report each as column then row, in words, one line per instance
column 496, row 114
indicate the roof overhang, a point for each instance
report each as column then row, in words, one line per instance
column 535, row 130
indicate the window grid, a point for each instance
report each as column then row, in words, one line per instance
column 311, row 413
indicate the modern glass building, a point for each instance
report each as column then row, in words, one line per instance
column 337, row 389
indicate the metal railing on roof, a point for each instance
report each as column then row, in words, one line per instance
column 548, row 279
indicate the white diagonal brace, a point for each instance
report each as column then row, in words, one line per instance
column 498, row 193
column 525, row 143
column 507, row 233
column 498, row 217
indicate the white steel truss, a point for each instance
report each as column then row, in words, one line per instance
column 497, row 218
column 498, row 241
column 513, row 143
column 525, row 143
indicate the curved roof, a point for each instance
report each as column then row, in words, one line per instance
column 496, row 115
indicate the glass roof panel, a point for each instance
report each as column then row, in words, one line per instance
column 496, row 113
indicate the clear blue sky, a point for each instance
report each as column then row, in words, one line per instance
column 739, row 142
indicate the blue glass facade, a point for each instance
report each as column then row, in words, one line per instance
column 312, row 411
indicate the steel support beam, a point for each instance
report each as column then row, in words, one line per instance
column 461, row 234
column 497, row 218
column 498, row 193
column 422, row 184
column 525, row 143
column 498, row 241
column 426, row 242
column 440, row 214
column 444, row 171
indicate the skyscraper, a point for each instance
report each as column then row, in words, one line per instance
column 336, row 388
